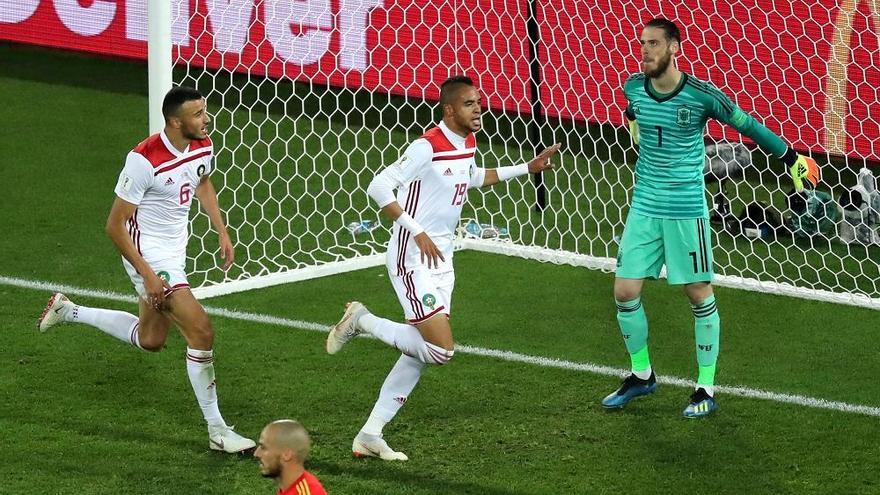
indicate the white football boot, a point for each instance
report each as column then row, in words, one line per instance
column 223, row 438
column 58, row 307
column 347, row 328
column 375, row 446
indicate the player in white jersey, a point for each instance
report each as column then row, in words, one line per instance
column 432, row 178
column 148, row 224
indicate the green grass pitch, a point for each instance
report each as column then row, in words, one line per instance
column 82, row 414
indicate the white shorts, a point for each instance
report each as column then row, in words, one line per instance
column 422, row 294
column 169, row 270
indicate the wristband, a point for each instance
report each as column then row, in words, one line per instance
column 409, row 223
column 507, row 173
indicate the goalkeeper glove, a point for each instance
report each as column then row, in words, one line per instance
column 802, row 167
column 634, row 131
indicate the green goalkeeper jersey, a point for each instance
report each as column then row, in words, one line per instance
column 669, row 171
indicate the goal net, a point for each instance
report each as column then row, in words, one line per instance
column 311, row 98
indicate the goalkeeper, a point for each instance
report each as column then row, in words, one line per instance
column 668, row 221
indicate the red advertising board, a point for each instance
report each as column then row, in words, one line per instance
column 809, row 69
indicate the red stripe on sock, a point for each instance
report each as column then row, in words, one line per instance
column 439, row 357
column 134, row 335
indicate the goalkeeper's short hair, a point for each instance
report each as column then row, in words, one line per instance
column 669, row 28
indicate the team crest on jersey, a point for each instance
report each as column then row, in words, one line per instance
column 683, row 116
column 429, row 300
column 164, row 276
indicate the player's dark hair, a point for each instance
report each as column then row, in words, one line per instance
column 175, row 98
column 669, row 28
column 450, row 88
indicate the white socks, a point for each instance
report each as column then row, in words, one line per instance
column 119, row 324
column 644, row 374
column 124, row 326
column 200, row 368
column 406, row 372
column 394, row 392
column 405, row 338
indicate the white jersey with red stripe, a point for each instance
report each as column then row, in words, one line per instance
column 434, row 175
column 161, row 181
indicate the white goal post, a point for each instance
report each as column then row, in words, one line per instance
column 311, row 98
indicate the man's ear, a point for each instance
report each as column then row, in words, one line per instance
column 288, row 455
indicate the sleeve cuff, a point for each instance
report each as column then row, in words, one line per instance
column 790, row 157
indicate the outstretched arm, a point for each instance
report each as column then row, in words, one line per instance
column 801, row 167
column 538, row 164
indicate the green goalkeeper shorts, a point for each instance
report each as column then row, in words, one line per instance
column 683, row 245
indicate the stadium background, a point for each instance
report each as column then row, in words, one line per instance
column 587, row 50
column 85, row 415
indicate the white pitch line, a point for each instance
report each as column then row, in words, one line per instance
column 597, row 369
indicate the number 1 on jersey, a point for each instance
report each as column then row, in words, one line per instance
column 460, row 193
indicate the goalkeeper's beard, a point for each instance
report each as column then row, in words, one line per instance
column 662, row 64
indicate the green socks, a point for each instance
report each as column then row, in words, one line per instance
column 634, row 328
column 707, row 332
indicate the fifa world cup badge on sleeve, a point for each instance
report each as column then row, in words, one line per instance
column 126, row 183
column 401, row 162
